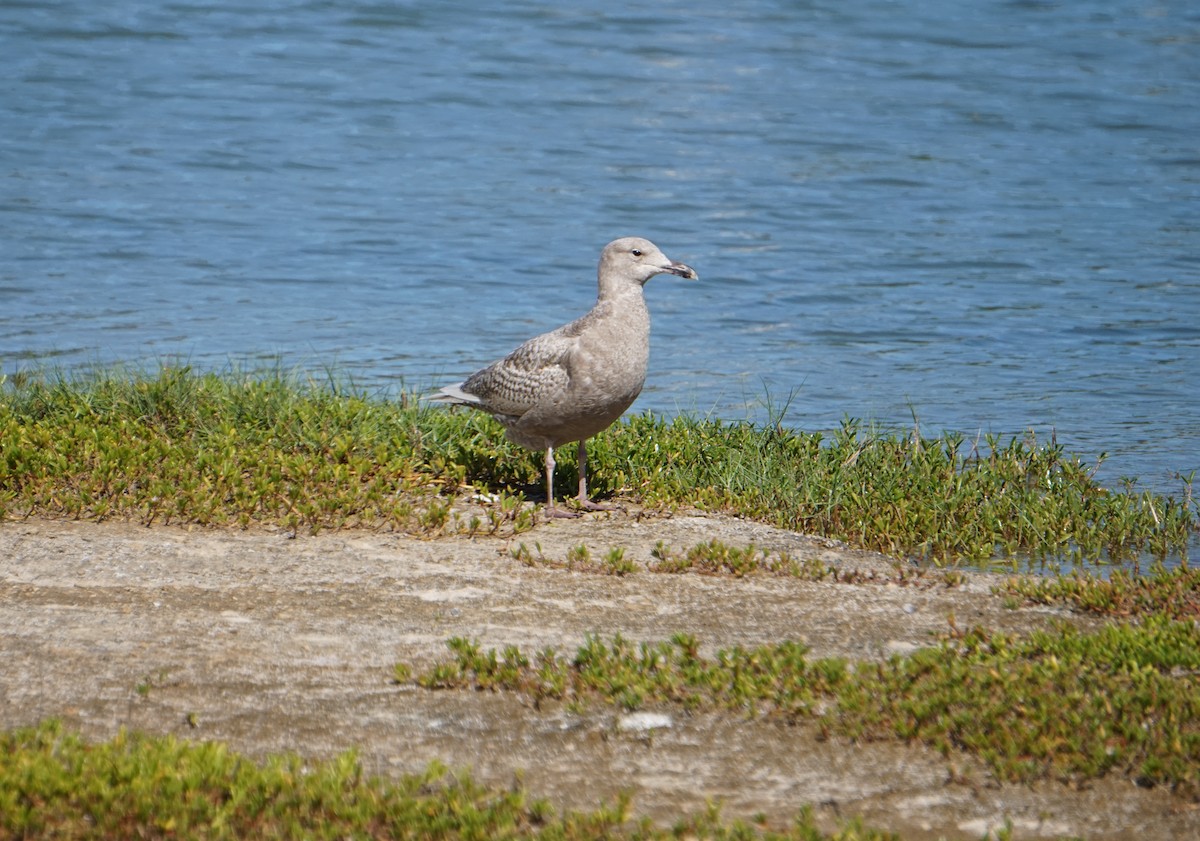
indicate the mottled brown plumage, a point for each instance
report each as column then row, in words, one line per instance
column 570, row 383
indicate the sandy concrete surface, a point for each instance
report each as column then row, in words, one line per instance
column 273, row 642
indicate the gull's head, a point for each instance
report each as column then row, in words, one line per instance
column 638, row 260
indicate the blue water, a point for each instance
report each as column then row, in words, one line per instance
column 986, row 215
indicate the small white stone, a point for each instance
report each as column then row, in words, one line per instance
column 901, row 647
column 642, row 722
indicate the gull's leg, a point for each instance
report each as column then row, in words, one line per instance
column 583, row 497
column 584, row 502
column 551, row 509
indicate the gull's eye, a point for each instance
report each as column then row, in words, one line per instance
column 637, row 252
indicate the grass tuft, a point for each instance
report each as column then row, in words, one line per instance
column 230, row 450
column 1174, row 593
column 718, row 558
column 1060, row 704
column 54, row 785
column 207, row 449
column 933, row 499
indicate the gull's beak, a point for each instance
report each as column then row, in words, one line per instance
column 682, row 270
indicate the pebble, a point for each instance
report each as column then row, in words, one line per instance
column 643, row 722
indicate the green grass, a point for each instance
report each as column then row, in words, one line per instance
column 1059, row 704
column 935, row 499
column 55, row 785
column 714, row 557
column 718, row 558
column 179, row 447
column 579, row 559
column 1174, row 593
column 211, row 450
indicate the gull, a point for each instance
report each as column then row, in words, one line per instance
column 569, row 384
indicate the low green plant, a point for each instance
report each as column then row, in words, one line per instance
column 934, row 499
column 717, row 558
column 525, row 555
column 510, row 514
column 615, row 562
column 635, row 675
column 1174, row 592
column 150, row 682
column 239, row 449
column 1063, row 704
column 714, row 557
column 55, row 785
column 578, row 559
